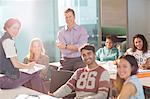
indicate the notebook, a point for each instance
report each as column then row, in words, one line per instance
column 36, row 68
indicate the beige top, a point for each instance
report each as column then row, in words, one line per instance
column 43, row 60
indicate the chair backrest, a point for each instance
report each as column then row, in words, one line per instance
column 59, row 78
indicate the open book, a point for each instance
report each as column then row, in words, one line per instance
column 36, row 68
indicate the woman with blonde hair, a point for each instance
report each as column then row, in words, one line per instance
column 41, row 46
column 37, row 54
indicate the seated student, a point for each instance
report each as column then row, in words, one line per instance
column 9, row 65
column 108, row 52
column 37, row 54
column 90, row 82
column 140, row 50
column 131, row 87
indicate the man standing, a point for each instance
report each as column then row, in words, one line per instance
column 69, row 39
column 90, row 82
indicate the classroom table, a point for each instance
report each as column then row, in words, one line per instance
column 22, row 91
column 145, row 81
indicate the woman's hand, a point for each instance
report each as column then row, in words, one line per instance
column 31, row 64
column 143, row 66
column 115, row 62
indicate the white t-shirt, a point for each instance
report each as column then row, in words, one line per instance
column 9, row 48
column 139, row 55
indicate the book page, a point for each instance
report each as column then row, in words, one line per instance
column 36, row 68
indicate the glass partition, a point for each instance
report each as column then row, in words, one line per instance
column 42, row 19
column 87, row 15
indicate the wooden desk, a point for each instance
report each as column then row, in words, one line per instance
column 12, row 93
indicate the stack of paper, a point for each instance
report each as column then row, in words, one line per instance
column 36, row 68
column 143, row 70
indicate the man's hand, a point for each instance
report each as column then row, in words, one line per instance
column 61, row 45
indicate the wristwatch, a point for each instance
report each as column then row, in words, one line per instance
column 66, row 46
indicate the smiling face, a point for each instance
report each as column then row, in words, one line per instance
column 138, row 43
column 36, row 48
column 13, row 30
column 88, row 56
column 109, row 43
column 70, row 18
column 124, row 68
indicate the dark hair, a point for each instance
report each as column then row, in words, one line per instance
column 70, row 10
column 111, row 37
column 88, row 47
column 118, row 83
column 132, row 60
column 145, row 44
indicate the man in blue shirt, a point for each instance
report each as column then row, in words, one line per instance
column 69, row 39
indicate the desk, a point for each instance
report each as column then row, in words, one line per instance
column 145, row 81
column 12, row 93
column 55, row 65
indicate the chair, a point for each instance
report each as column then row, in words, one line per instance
column 147, row 92
column 59, row 78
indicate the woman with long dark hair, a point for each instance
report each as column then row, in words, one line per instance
column 130, row 86
column 140, row 50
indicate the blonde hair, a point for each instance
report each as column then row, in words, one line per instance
column 31, row 54
column 118, row 83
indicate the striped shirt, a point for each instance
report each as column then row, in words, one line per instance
column 93, row 83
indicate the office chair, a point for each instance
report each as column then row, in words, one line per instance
column 59, row 78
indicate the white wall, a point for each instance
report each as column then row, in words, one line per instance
column 114, row 13
column 138, row 19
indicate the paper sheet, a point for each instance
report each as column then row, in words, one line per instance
column 36, row 68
